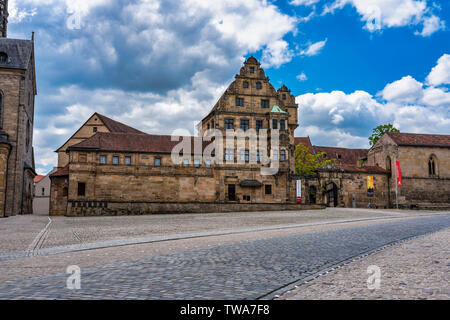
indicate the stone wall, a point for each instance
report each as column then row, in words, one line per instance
column 4, row 153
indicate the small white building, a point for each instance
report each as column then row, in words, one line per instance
column 41, row 199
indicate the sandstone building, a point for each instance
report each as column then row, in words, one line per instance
column 107, row 167
column 17, row 92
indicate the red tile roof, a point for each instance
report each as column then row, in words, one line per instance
column 306, row 141
column 129, row 142
column 115, row 126
column 420, row 139
column 64, row 171
column 342, row 155
column 365, row 169
column 38, row 178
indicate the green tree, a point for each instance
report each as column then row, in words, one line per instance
column 379, row 131
column 308, row 163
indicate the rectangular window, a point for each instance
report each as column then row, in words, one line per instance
column 43, row 191
column 258, row 156
column 231, row 192
column 268, row 189
column 259, row 124
column 283, row 96
column 244, row 155
column 208, row 163
column 283, row 155
column 128, row 161
column 264, row 103
column 229, row 123
column 239, row 102
column 94, row 129
column 82, row 157
column 158, row 162
column 274, row 124
column 282, row 125
column 245, row 84
column 252, row 69
column 81, row 189
column 197, row 163
column 244, row 125
column 185, row 162
column 115, row 160
column 229, row 155
column 102, row 159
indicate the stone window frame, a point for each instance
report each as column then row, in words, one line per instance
column 197, row 163
column 239, row 102
column 261, row 126
column 265, row 103
column 229, row 154
column 208, row 163
column 282, row 124
column 258, row 85
column 229, row 124
column 244, row 155
column 268, row 189
column 103, row 156
column 245, row 84
column 251, row 69
column 118, row 160
column 283, row 155
column 81, row 189
column 186, row 162
column 157, row 162
column 242, row 124
column 94, row 129
column 127, row 160
column 433, row 167
column 275, row 124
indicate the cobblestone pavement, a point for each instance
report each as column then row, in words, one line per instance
column 416, row 269
column 242, row 270
column 18, row 232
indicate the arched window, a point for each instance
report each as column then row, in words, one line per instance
column 432, row 166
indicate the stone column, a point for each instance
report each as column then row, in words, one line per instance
column 5, row 148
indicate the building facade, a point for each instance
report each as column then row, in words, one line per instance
column 17, row 93
column 109, row 168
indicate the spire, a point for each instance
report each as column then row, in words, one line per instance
column 3, row 18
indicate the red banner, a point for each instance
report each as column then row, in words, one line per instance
column 399, row 173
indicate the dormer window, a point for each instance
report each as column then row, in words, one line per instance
column 3, row 57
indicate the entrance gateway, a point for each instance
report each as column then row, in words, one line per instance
column 332, row 196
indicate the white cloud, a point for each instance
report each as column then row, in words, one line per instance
column 406, row 90
column 303, row 2
column 313, row 48
column 302, row 77
column 440, row 74
column 431, row 25
column 276, row 54
column 380, row 14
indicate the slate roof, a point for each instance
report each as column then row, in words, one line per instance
column 18, row 51
column 420, row 139
column 131, row 142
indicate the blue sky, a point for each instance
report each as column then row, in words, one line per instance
column 161, row 65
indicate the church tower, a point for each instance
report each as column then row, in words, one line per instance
column 17, row 92
column 3, row 18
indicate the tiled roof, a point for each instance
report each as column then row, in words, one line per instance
column 38, row 178
column 342, row 155
column 18, row 51
column 420, row 139
column 64, row 171
column 115, row 126
column 366, row 169
column 130, row 142
column 305, row 141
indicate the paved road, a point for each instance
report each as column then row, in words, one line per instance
column 245, row 270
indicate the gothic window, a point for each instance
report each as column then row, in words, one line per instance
column 258, row 85
column 432, row 166
column 245, row 84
